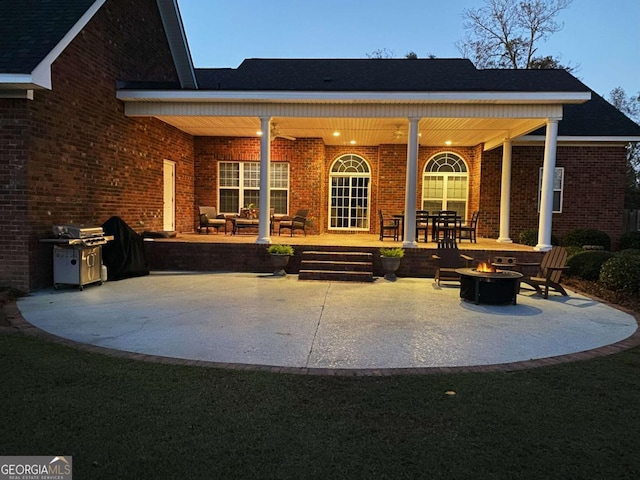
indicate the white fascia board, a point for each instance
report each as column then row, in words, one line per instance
column 41, row 75
column 578, row 139
column 17, row 81
column 354, row 97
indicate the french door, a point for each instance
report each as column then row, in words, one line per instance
column 349, row 194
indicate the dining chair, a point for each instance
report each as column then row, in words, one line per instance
column 422, row 223
column 446, row 224
column 469, row 230
column 392, row 226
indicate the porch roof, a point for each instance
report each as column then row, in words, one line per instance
column 367, row 101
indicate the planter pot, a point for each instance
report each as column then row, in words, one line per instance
column 390, row 265
column 279, row 262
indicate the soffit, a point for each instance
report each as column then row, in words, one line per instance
column 364, row 131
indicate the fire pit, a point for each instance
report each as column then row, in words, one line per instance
column 487, row 284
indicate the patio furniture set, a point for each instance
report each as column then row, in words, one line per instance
column 248, row 218
column 443, row 224
column 498, row 281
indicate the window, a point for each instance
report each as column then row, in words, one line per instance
column 445, row 184
column 239, row 186
column 558, row 186
column 349, row 194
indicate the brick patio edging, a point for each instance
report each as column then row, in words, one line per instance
column 18, row 325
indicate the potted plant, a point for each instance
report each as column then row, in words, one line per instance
column 390, row 258
column 279, row 258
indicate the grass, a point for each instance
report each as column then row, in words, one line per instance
column 126, row 419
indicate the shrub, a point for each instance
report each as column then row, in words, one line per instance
column 587, row 236
column 392, row 252
column 622, row 273
column 628, row 251
column 530, row 237
column 277, row 249
column 630, row 240
column 587, row 264
column 571, row 251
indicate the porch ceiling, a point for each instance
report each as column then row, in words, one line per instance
column 364, row 131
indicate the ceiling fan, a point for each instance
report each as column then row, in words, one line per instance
column 397, row 134
column 276, row 133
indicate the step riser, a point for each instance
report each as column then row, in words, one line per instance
column 336, row 276
column 336, row 266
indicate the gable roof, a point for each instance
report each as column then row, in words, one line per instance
column 33, row 33
column 31, row 29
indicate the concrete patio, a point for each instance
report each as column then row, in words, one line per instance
column 247, row 319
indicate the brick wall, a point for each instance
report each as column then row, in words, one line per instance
column 593, row 189
column 14, row 157
column 306, row 170
column 86, row 160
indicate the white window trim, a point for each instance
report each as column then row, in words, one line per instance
column 241, row 187
column 561, row 189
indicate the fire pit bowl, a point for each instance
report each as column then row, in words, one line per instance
column 492, row 286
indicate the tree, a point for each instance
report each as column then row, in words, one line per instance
column 506, row 33
column 630, row 106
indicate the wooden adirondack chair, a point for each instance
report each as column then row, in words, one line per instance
column 549, row 272
column 449, row 258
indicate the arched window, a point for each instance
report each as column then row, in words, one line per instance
column 445, row 184
column 349, row 193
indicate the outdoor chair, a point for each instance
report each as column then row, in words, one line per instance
column 449, row 259
column 389, row 228
column 469, row 231
column 446, row 224
column 548, row 272
column 210, row 218
column 298, row 222
column 422, row 223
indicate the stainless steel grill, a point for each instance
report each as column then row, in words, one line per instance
column 80, row 235
column 77, row 254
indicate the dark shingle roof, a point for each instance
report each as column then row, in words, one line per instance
column 30, row 29
column 595, row 118
column 381, row 75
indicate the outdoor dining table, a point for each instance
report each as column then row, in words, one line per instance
column 455, row 219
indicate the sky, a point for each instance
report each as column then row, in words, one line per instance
column 600, row 38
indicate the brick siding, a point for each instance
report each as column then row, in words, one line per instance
column 81, row 160
column 593, row 190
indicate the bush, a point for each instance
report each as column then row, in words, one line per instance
column 587, row 236
column 622, row 273
column 629, row 251
column 630, row 240
column 587, row 264
column 571, row 251
column 530, row 237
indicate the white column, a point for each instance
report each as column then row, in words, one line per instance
column 546, row 199
column 505, row 193
column 264, row 233
column 411, row 186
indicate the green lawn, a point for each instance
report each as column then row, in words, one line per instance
column 123, row 419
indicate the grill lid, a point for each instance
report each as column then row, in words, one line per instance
column 77, row 231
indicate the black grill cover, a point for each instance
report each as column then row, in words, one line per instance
column 124, row 256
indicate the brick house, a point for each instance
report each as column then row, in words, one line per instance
column 103, row 113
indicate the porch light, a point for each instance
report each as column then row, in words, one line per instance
column 259, row 133
column 448, row 142
column 352, row 142
column 336, row 134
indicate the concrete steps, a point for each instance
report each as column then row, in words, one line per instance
column 336, row 266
